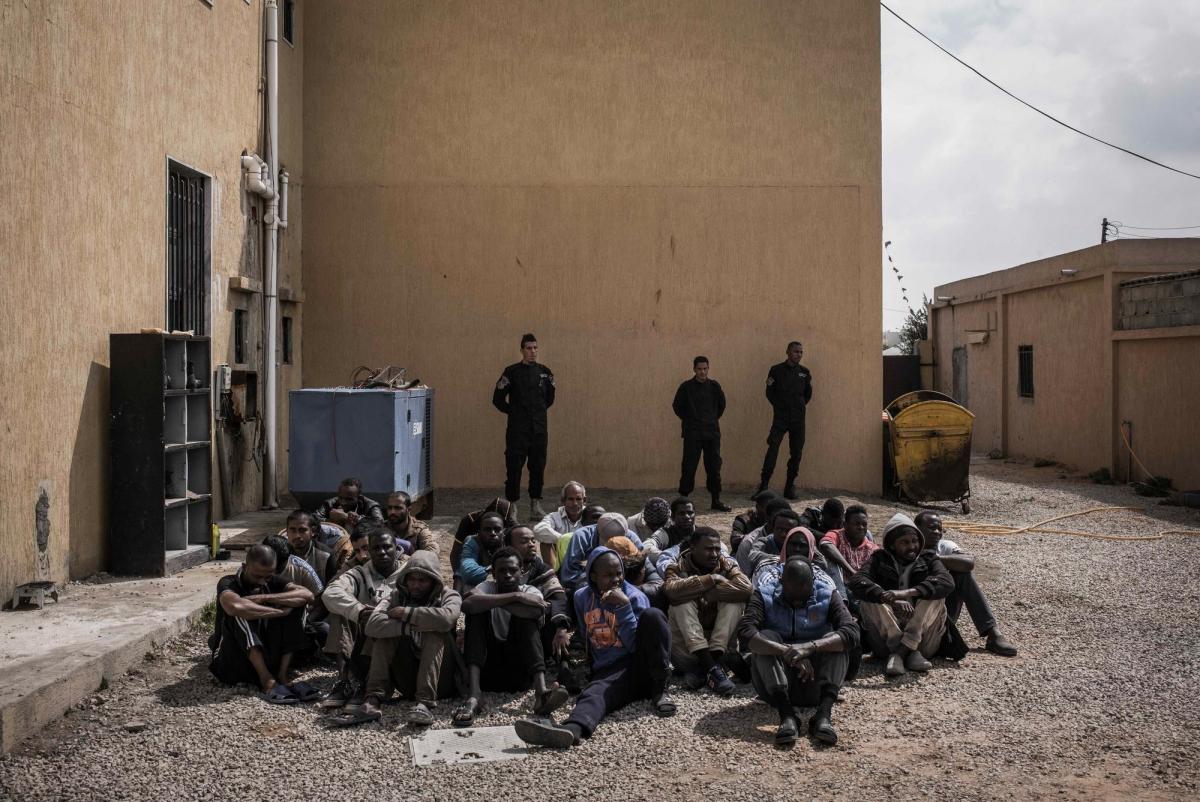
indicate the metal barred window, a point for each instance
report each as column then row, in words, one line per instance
column 187, row 250
column 1025, row 371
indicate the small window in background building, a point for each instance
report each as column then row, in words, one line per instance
column 1025, row 371
column 287, row 340
column 289, row 21
column 239, row 336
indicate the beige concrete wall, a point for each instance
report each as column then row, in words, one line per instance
column 637, row 183
column 1066, row 419
column 1159, row 394
column 951, row 325
column 94, row 98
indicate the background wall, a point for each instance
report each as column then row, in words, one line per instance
column 636, row 183
column 94, row 98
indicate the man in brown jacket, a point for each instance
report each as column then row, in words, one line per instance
column 403, row 525
column 707, row 592
column 413, row 648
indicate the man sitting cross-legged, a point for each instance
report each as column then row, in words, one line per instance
column 961, row 566
column 900, row 592
column 259, row 625
column 799, row 631
column 301, row 536
column 478, row 550
column 412, row 534
column 708, row 593
column 350, row 599
column 562, row 522
column 629, row 644
column 413, row 648
column 296, row 570
column 503, row 648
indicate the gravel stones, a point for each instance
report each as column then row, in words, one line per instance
column 1100, row 702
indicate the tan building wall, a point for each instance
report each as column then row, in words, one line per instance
column 94, row 98
column 1088, row 376
column 636, row 183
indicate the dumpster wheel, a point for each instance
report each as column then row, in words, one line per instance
column 966, row 506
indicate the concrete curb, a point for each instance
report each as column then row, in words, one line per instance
column 109, row 633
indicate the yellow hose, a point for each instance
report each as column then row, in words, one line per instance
column 1141, row 464
column 1000, row 530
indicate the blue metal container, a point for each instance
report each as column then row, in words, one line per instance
column 383, row 437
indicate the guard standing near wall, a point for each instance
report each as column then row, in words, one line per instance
column 789, row 389
column 700, row 403
column 524, row 393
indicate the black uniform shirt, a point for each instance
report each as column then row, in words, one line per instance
column 789, row 389
column 524, row 393
column 699, row 406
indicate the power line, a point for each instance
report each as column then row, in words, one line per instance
column 1153, row 228
column 1035, row 108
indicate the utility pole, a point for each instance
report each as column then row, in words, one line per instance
column 1104, row 231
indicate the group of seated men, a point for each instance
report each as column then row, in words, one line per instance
column 790, row 604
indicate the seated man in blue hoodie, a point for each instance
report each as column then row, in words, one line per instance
column 901, row 592
column 629, row 644
column 585, row 540
column 799, row 631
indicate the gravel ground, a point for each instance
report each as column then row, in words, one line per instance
column 1100, row 703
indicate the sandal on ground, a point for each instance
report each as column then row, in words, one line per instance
column 464, row 715
column 553, row 699
column 304, row 692
column 280, row 695
column 663, row 705
column 422, row 716
column 361, row 715
column 787, row 733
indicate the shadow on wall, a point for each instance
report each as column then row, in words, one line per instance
column 86, row 499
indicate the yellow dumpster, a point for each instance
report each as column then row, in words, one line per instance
column 928, row 443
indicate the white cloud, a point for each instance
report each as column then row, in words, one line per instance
column 973, row 181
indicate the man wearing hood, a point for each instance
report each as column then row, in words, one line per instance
column 707, row 592
column 629, row 645
column 655, row 514
column 587, row 538
column 799, row 631
column 350, row 599
column 901, row 591
column 413, row 648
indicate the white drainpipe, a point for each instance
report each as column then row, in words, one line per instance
column 271, row 285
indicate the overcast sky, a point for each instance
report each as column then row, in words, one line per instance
column 974, row 182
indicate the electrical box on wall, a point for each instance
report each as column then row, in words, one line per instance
column 224, row 380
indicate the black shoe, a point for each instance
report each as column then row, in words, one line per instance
column 787, row 733
column 998, row 644
column 790, row 493
column 761, row 487
column 720, row 506
column 821, row 729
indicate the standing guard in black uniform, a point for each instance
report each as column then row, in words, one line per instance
column 524, row 393
column 699, row 403
column 789, row 389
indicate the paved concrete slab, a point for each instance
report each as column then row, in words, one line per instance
column 54, row 657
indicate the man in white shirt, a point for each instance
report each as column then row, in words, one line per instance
column 562, row 522
column 961, row 566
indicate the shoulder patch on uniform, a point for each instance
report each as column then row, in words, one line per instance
column 504, row 382
column 770, row 380
column 549, row 376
